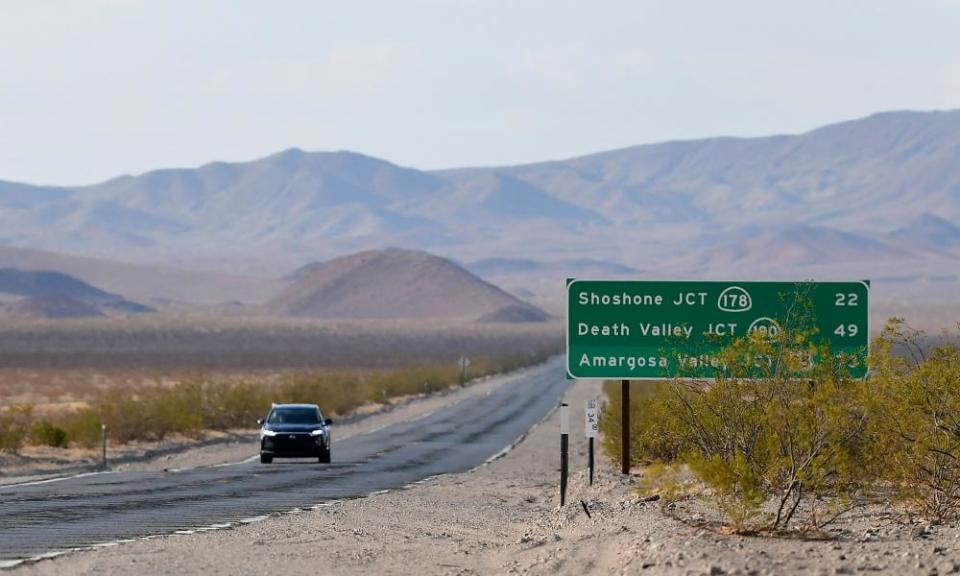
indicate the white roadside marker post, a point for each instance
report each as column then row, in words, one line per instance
column 464, row 364
column 564, row 433
column 592, row 421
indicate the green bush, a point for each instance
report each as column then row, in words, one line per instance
column 738, row 491
column 655, row 432
column 334, row 393
column 179, row 410
column 127, row 417
column 234, row 405
column 759, row 434
column 82, row 427
column 15, row 423
column 915, row 420
column 46, row 434
column 663, row 481
column 782, row 438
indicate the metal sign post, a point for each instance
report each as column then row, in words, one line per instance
column 592, row 423
column 625, row 426
column 564, row 433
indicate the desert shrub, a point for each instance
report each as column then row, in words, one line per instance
column 915, row 420
column 191, row 406
column 82, row 427
column 44, row 433
column 487, row 365
column 234, row 405
column 774, row 438
column 125, row 415
column 15, row 424
column 413, row 380
column 336, row 393
column 799, row 437
column 656, row 434
column 738, row 491
column 771, row 428
column 176, row 410
column 662, row 480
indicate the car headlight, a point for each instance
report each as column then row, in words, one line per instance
column 266, row 432
column 319, row 432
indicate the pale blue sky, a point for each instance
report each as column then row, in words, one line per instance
column 93, row 89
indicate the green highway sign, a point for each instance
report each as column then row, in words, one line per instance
column 631, row 330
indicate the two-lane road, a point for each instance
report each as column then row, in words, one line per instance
column 82, row 511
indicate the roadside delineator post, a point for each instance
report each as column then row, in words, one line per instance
column 591, row 418
column 564, row 433
column 103, row 446
column 625, row 426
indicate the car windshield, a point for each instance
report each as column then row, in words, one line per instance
column 300, row 415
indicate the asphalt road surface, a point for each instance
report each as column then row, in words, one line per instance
column 41, row 518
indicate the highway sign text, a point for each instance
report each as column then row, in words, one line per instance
column 658, row 329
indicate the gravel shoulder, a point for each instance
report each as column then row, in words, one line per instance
column 504, row 518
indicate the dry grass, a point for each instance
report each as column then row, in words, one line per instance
column 192, row 407
column 151, row 380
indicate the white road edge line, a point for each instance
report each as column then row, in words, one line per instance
column 52, row 480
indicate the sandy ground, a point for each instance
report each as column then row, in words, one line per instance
column 505, row 518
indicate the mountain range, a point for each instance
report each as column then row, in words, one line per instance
column 873, row 197
column 871, row 177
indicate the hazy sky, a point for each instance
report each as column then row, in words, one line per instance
column 96, row 88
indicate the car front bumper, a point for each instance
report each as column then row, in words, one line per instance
column 292, row 445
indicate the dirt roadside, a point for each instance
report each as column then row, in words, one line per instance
column 504, row 518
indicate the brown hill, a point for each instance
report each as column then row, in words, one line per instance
column 394, row 283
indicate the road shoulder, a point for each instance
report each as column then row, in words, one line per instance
column 504, row 518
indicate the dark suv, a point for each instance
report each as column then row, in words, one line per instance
column 294, row 431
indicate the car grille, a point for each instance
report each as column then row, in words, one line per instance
column 285, row 442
